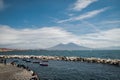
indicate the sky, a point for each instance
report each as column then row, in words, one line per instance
column 40, row 24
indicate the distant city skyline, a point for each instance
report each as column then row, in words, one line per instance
column 40, row 24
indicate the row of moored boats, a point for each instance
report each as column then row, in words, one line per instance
column 42, row 62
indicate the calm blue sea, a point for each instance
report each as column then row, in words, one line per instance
column 67, row 70
column 113, row 54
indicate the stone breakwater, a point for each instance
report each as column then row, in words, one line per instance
column 115, row 62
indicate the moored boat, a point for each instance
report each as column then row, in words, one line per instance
column 43, row 64
column 28, row 61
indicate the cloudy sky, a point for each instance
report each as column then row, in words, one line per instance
column 34, row 24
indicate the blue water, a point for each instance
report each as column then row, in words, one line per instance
column 113, row 54
column 68, row 70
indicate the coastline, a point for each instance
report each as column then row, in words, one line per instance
column 12, row 72
column 115, row 62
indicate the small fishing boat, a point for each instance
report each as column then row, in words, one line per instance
column 28, row 61
column 43, row 64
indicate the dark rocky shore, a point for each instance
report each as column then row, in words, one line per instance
column 115, row 62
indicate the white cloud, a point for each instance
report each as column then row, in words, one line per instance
column 34, row 38
column 102, row 39
column 111, row 22
column 81, row 4
column 84, row 16
column 71, row 14
column 50, row 36
column 2, row 5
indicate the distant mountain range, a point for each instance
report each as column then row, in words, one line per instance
column 69, row 46
column 110, row 48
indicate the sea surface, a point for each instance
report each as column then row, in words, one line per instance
column 112, row 54
column 68, row 70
